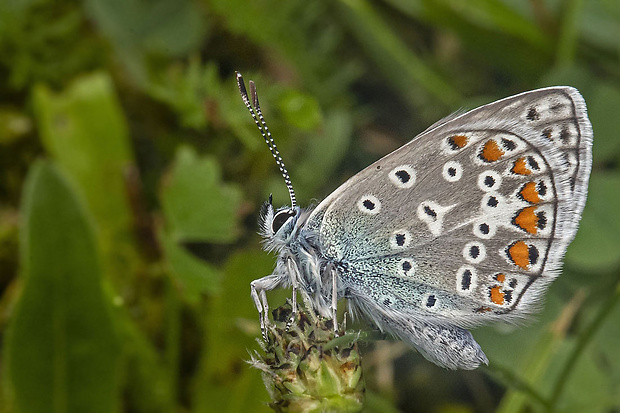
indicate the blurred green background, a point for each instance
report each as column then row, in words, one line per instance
column 132, row 176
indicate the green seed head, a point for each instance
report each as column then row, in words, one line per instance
column 306, row 367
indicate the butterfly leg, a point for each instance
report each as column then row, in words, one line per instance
column 258, row 290
column 265, row 315
column 334, row 300
column 290, row 321
column 293, row 272
column 294, row 275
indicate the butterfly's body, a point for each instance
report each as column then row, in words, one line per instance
column 467, row 223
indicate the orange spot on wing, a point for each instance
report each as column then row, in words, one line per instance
column 491, row 151
column 500, row 277
column 519, row 254
column 520, row 167
column 458, row 141
column 530, row 193
column 527, row 219
column 497, row 296
column 481, row 310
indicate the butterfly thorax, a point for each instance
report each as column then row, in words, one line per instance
column 300, row 262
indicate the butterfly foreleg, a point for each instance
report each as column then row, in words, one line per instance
column 257, row 291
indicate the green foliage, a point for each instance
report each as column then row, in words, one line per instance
column 141, row 175
column 84, row 129
column 45, row 41
column 598, row 240
column 63, row 352
column 230, row 330
column 198, row 207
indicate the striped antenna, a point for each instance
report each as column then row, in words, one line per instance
column 257, row 115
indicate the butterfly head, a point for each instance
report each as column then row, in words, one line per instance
column 277, row 225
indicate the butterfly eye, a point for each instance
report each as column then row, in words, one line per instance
column 280, row 219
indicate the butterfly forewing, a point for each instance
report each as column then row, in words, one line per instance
column 471, row 219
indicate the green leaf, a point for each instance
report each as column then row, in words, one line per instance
column 84, row 129
column 193, row 276
column 62, row 350
column 196, row 204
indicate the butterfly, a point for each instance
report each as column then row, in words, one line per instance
column 466, row 224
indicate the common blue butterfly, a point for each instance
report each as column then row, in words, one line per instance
column 466, row 224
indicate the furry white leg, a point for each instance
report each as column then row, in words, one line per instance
column 293, row 273
column 294, row 276
column 290, row 321
column 263, row 297
column 257, row 291
column 334, row 300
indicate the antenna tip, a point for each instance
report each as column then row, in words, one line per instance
column 241, row 86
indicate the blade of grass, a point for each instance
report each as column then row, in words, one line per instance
column 567, row 39
column 538, row 363
column 582, row 342
column 403, row 68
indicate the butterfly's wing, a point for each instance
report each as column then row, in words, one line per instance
column 468, row 222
